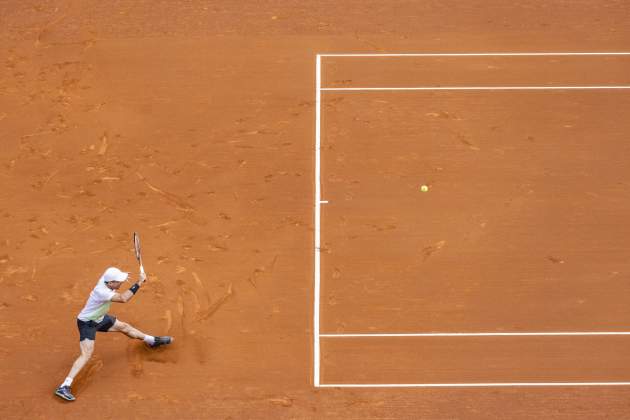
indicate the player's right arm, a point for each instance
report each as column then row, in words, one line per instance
column 126, row 296
column 123, row 297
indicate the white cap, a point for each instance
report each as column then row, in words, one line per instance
column 114, row 274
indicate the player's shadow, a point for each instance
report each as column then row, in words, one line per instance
column 138, row 353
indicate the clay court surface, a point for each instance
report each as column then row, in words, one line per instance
column 194, row 123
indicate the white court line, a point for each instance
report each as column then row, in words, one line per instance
column 479, row 88
column 318, row 202
column 483, row 54
column 476, row 385
column 318, row 199
column 482, row 334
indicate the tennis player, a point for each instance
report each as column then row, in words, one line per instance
column 94, row 318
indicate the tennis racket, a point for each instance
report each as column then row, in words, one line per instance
column 136, row 246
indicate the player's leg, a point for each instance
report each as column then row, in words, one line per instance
column 87, row 349
column 133, row 332
column 127, row 329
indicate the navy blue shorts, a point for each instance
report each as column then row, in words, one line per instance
column 87, row 329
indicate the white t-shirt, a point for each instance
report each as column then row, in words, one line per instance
column 97, row 304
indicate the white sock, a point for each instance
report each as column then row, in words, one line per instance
column 149, row 339
column 67, row 382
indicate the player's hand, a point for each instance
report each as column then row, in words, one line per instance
column 142, row 278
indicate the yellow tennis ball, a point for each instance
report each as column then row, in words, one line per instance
column 424, row 188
